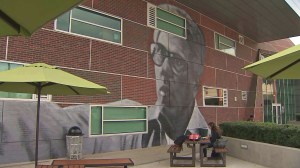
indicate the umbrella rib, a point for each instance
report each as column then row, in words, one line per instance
column 283, row 69
column 48, row 84
column 73, row 90
column 36, row 84
column 10, row 21
column 33, row 84
column 45, row 85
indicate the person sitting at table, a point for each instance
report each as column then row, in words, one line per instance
column 251, row 118
column 215, row 134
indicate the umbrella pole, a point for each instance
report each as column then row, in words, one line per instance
column 39, row 88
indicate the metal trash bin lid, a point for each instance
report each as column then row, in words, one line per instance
column 75, row 131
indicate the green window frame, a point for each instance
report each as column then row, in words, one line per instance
column 225, row 44
column 90, row 23
column 117, row 120
column 169, row 22
column 215, row 97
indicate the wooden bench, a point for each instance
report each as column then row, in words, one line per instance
column 174, row 150
column 96, row 162
column 223, row 152
column 222, row 157
column 65, row 166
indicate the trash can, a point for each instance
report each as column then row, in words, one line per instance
column 74, row 143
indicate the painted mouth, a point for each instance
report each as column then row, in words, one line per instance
column 163, row 95
column 163, row 91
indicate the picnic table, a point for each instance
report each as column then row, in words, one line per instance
column 192, row 144
column 96, row 162
column 173, row 150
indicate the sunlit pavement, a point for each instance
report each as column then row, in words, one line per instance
column 145, row 158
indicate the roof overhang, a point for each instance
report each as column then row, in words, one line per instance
column 260, row 20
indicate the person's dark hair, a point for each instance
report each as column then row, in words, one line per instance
column 251, row 118
column 215, row 128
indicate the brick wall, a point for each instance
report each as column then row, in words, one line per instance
column 110, row 62
column 128, row 69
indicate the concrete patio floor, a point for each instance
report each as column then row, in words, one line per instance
column 155, row 157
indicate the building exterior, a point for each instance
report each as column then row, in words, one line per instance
column 170, row 69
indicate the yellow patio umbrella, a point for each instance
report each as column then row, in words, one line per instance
column 23, row 17
column 282, row 65
column 40, row 78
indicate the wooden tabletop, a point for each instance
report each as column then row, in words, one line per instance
column 95, row 162
column 200, row 141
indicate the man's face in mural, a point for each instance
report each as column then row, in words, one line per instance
column 170, row 54
column 178, row 65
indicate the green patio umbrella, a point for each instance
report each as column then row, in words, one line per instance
column 282, row 65
column 23, row 17
column 40, row 78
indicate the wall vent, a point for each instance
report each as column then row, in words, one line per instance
column 151, row 15
column 241, row 39
column 225, row 98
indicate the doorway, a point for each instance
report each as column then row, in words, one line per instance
column 276, row 113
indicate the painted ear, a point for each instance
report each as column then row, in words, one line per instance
column 153, row 48
column 157, row 53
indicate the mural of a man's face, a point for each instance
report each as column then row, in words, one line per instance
column 173, row 70
column 178, row 65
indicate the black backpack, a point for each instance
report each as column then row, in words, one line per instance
column 180, row 140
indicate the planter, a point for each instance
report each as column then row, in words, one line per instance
column 269, row 155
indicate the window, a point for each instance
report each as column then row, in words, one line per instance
column 8, row 66
column 166, row 21
column 224, row 44
column 110, row 120
column 215, row 97
column 9, row 95
column 89, row 23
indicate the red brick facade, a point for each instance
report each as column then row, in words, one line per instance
column 127, row 69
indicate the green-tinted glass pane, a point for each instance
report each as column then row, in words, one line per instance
column 224, row 44
column 214, row 101
column 12, row 66
column 63, row 22
column 117, row 113
column 226, row 41
column 170, row 17
column 217, row 41
column 115, row 127
column 96, row 18
column 227, row 49
column 3, row 66
column 7, row 66
column 170, row 28
column 110, row 35
column 3, row 94
column 96, row 120
column 96, row 32
column 20, row 95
